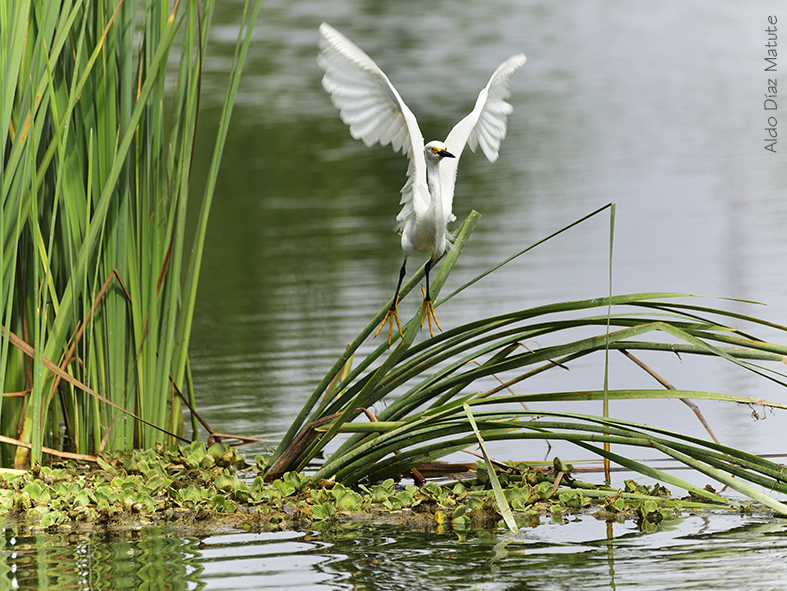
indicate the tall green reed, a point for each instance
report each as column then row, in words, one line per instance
column 98, row 287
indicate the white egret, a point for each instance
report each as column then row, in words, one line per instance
column 374, row 111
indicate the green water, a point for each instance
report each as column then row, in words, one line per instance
column 150, row 558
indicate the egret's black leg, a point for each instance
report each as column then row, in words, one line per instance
column 428, row 309
column 399, row 286
column 427, row 268
column 393, row 315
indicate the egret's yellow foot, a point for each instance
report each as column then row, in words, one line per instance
column 391, row 316
column 428, row 312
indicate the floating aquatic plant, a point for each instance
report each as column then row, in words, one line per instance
column 179, row 484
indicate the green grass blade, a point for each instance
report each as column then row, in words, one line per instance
column 500, row 496
column 361, row 399
column 523, row 251
column 726, row 479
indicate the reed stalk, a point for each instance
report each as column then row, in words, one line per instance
column 98, row 286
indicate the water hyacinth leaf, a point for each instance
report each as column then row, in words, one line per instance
column 324, row 511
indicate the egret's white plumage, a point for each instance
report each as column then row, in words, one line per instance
column 372, row 108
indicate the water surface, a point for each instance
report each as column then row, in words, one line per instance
column 658, row 109
column 696, row 552
column 656, row 106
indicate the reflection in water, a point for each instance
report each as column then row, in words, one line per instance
column 267, row 561
column 713, row 551
column 575, row 555
column 610, row 555
column 150, row 558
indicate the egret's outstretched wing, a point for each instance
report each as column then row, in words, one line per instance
column 485, row 125
column 370, row 105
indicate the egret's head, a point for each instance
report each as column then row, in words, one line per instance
column 436, row 151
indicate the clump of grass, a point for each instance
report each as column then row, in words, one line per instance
column 435, row 403
column 98, row 290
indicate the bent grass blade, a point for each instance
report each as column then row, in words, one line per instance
column 500, row 496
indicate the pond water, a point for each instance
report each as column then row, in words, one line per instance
column 696, row 552
column 657, row 107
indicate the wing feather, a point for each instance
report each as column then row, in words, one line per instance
column 372, row 108
column 375, row 113
column 485, row 126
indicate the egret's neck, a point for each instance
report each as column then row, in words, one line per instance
column 435, row 190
